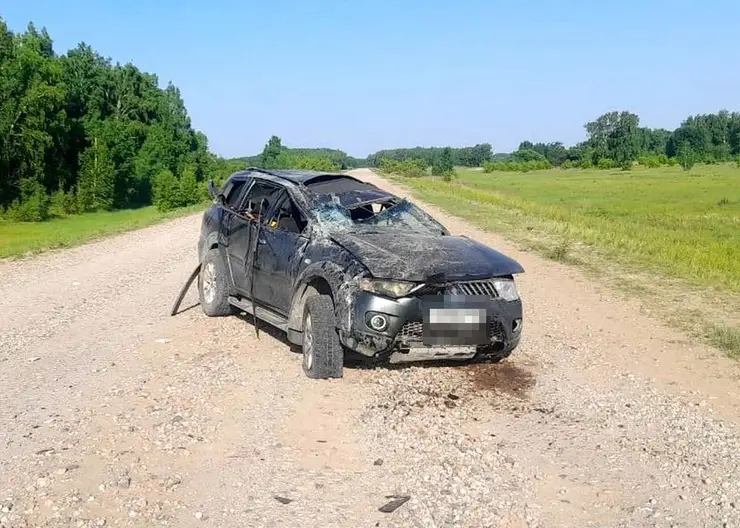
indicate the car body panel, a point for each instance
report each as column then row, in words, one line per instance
column 421, row 257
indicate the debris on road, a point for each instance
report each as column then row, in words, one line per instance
column 184, row 290
column 393, row 505
column 283, row 500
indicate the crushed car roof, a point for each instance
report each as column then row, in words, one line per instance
column 324, row 185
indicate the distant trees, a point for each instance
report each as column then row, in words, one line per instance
column 443, row 165
column 618, row 138
column 464, row 157
column 270, row 157
column 275, row 153
column 276, row 156
column 79, row 133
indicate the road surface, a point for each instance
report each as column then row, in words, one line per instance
column 115, row 414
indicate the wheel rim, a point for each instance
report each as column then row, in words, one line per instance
column 209, row 282
column 307, row 343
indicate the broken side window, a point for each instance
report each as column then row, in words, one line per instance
column 261, row 196
column 287, row 216
column 233, row 192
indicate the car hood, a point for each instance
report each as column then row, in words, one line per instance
column 426, row 258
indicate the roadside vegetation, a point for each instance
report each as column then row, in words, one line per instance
column 22, row 238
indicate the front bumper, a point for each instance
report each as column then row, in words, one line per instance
column 403, row 337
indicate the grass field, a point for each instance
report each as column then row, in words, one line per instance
column 682, row 226
column 20, row 238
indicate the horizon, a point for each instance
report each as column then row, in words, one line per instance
column 413, row 87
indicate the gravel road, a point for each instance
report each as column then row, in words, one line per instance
column 115, row 414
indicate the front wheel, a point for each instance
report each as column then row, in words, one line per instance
column 323, row 356
column 212, row 288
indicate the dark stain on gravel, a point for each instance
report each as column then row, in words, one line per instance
column 503, row 377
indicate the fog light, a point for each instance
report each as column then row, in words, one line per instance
column 378, row 322
column 517, row 325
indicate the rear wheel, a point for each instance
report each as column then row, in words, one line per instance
column 212, row 288
column 323, row 356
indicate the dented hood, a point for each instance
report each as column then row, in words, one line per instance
column 426, row 258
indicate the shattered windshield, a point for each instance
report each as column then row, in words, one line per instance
column 377, row 217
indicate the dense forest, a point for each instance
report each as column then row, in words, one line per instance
column 79, row 133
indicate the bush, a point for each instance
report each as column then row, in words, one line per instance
column 686, row 157
column 567, row 164
column 663, row 159
column 413, row 168
column 166, row 191
column 585, row 163
column 516, row 166
column 650, row 162
column 527, row 155
column 605, row 163
column 34, row 204
column 63, row 204
column 189, row 192
column 317, row 163
column 672, row 162
column 626, row 166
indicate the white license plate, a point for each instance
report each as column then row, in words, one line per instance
column 457, row 316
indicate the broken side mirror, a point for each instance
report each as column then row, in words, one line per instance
column 212, row 191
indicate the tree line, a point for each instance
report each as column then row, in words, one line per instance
column 275, row 155
column 79, row 133
column 339, row 160
column 616, row 139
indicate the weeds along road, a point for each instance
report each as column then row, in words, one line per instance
column 115, row 414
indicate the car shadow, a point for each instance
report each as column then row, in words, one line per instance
column 270, row 330
column 353, row 360
column 186, row 309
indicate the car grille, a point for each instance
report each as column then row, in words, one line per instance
column 480, row 287
column 412, row 332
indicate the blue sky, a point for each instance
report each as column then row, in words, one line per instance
column 365, row 75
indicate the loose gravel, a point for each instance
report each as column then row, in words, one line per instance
column 117, row 415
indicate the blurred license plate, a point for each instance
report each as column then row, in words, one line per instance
column 456, row 316
column 455, row 325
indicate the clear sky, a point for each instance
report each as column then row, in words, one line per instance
column 362, row 75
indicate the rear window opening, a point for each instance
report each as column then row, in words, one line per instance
column 337, row 184
column 363, row 212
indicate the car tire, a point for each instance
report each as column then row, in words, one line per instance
column 212, row 288
column 323, row 356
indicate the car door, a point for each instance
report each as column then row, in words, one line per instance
column 233, row 195
column 281, row 245
column 242, row 228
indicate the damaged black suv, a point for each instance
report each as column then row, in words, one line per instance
column 341, row 265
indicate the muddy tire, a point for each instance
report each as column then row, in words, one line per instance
column 212, row 287
column 323, row 356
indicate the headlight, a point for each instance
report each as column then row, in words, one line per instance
column 389, row 288
column 506, row 289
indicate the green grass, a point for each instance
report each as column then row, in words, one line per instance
column 20, row 238
column 683, row 227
